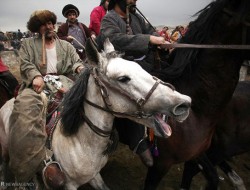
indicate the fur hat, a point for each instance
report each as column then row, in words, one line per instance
column 69, row 8
column 39, row 18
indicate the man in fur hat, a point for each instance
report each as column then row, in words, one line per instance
column 73, row 31
column 133, row 36
column 39, row 56
column 96, row 16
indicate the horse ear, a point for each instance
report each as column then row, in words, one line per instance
column 92, row 53
column 108, row 47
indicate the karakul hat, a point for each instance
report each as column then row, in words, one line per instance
column 68, row 8
column 39, row 18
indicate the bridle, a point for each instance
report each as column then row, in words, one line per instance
column 102, row 82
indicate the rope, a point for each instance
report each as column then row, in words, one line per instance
column 43, row 50
column 127, row 19
column 78, row 42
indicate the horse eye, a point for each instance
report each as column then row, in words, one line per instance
column 123, row 79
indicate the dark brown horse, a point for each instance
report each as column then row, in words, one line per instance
column 209, row 76
column 4, row 95
column 232, row 137
column 8, row 83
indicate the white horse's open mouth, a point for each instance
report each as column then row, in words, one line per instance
column 162, row 126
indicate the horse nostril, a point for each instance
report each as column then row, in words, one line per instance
column 181, row 108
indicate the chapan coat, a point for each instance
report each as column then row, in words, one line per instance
column 135, row 44
column 31, row 60
column 27, row 135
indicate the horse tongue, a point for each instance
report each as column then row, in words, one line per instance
column 166, row 128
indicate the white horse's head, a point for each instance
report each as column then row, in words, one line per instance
column 129, row 91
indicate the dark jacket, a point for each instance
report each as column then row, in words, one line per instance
column 114, row 28
column 62, row 31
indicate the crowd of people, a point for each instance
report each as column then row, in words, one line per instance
column 174, row 35
column 44, row 51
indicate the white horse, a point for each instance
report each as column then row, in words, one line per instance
column 109, row 87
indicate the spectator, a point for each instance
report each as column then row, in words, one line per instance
column 177, row 34
column 27, row 138
column 73, row 31
column 165, row 33
column 3, row 37
column 96, row 16
column 19, row 35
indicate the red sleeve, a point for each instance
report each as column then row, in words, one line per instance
column 95, row 21
column 3, row 67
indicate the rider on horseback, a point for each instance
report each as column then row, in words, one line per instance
column 129, row 33
column 39, row 56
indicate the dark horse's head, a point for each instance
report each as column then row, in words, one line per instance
column 220, row 22
column 207, row 75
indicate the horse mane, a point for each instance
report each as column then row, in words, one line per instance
column 72, row 104
column 199, row 32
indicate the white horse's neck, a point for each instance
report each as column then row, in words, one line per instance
column 98, row 117
column 82, row 153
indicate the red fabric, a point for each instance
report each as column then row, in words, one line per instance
column 165, row 35
column 3, row 67
column 95, row 19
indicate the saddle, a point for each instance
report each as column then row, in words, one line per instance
column 53, row 115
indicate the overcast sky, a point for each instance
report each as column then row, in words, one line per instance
column 14, row 14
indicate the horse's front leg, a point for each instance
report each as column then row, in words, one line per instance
column 191, row 168
column 209, row 172
column 98, row 183
column 233, row 176
column 156, row 173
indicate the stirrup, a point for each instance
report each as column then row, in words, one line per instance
column 47, row 163
column 136, row 147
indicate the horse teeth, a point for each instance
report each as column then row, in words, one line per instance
column 164, row 117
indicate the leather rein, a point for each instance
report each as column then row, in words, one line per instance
column 205, row 46
column 103, row 84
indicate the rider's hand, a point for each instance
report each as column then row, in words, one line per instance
column 157, row 40
column 93, row 36
column 79, row 69
column 70, row 38
column 38, row 84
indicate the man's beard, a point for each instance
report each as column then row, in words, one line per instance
column 49, row 35
column 132, row 9
column 123, row 6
